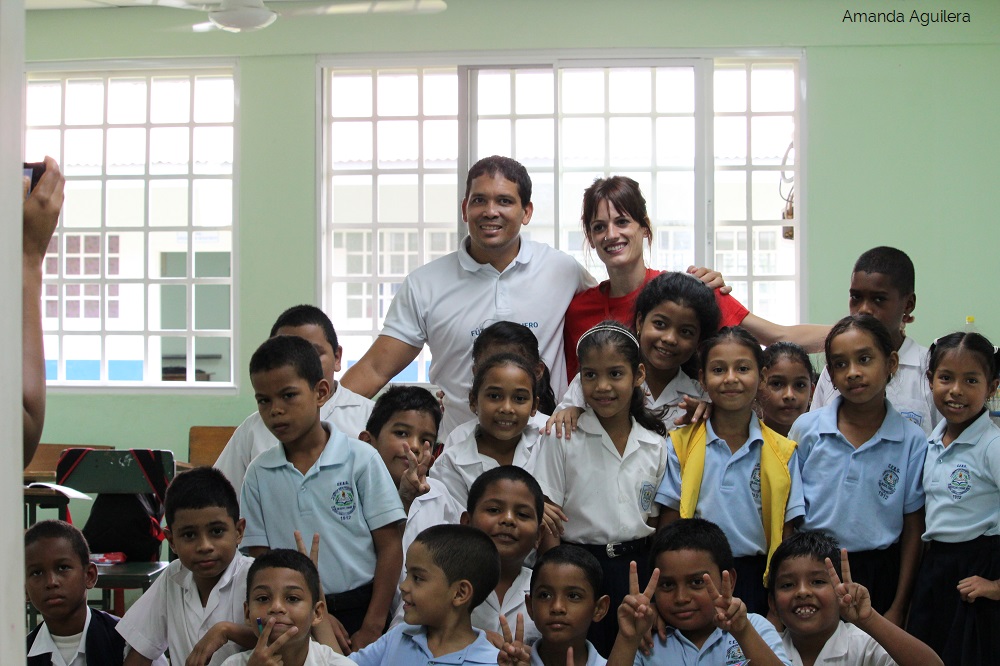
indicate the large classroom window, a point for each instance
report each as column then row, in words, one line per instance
column 710, row 140
column 138, row 279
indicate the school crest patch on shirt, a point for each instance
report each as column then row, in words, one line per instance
column 735, row 656
column 646, row 496
column 960, row 483
column 755, row 482
column 887, row 484
column 915, row 417
column 343, row 500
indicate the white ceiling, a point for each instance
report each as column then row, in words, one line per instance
column 95, row 4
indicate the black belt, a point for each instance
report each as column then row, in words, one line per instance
column 611, row 551
column 980, row 542
column 359, row 597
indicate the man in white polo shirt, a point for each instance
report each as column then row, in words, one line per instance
column 495, row 275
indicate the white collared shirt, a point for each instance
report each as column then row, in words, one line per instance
column 486, row 616
column 170, row 615
column 446, row 304
column 676, row 390
column 607, row 496
column 848, row 646
column 594, row 657
column 908, row 391
column 318, row 655
column 460, row 462
column 346, row 410
column 45, row 643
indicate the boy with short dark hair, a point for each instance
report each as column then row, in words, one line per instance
column 193, row 606
column 344, row 409
column 321, row 481
column 882, row 285
column 692, row 586
column 450, row 569
column 284, row 603
column 57, row 575
column 805, row 590
column 506, row 503
column 563, row 602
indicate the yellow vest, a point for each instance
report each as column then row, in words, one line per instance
column 775, row 480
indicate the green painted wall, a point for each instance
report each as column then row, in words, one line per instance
column 901, row 128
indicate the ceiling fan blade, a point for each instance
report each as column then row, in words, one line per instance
column 175, row 4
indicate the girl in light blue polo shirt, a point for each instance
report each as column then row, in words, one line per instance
column 861, row 464
column 962, row 483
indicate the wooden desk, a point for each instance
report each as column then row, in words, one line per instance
column 43, row 498
column 43, row 464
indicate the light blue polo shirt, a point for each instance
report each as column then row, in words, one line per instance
column 720, row 649
column 859, row 495
column 406, row 645
column 961, row 482
column 730, row 490
column 594, row 657
column 344, row 496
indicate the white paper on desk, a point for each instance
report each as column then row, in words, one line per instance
column 65, row 490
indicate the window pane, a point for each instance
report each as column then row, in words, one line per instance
column 772, row 254
column 731, row 251
column 44, row 103
column 730, row 140
column 212, row 256
column 39, row 143
column 730, row 195
column 125, row 354
column 397, row 253
column 766, row 200
column 351, row 145
column 352, row 254
column 630, row 90
column 126, row 151
column 675, row 90
column 171, row 100
column 168, row 203
column 494, row 93
column 82, row 357
column 84, row 152
column 534, row 92
column 441, row 93
column 127, row 101
column 675, row 194
column 770, row 137
column 730, row 89
column 212, row 362
column 213, row 150
column 582, row 91
column 583, row 141
column 211, row 306
column 126, row 203
column 441, row 197
column 535, row 142
column 126, row 253
column 126, row 307
column 168, row 254
column 675, row 142
column 82, row 205
column 168, row 150
column 772, row 88
column 397, row 94
column 84, row 102
column 397, row 199
column 441, row 144
column 213, row 99
column 213, row 203
column 171, row 355
column 631, row 142
column 775, row 301
column 493, row 138
column 352, row 199
column 351, row 95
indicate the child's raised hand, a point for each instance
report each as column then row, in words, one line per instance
column 513, row 652
column 313, row 552
column 413, row 483
column 976, row 587
column 855, row 601
column 730, row 611
column 267, row 655
column 637, row 612
column 553, row 518
column 695, row 410
column 563, row 422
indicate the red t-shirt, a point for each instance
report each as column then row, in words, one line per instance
column 593, row 306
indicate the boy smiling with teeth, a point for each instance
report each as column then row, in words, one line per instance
column 806, row 592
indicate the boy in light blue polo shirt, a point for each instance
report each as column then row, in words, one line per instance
column 321, row 481
column 450, row 569
column 865, row 497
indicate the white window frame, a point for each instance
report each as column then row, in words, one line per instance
column 140, row 69
column 703, row 60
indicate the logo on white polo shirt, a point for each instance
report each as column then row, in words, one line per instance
column 755, row 482
column 646, row 496
column 343, row 500
column 887, row 484
column 961, row 482
column 734, row 655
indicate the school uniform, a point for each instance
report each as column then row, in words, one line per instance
column 963, row 530
column 486, row 616
column 848, row 646
column 97, row 645
column 460, row 463
column 347, row 411
column 591, row 307
column 665, row 405
column 406, row 645
column 861, row 495
column 908, row 390
column 447, row 302
column 608, row 498
column 319, row 655
column 730, row 495
column 719, row 649
column 346, row 495
column 594, row 658
column 435, row 507
column 170, row 615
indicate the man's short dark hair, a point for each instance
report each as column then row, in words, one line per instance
column 402, row 399
column 288, row 350
column 509, row 168
column 892, row 262
column 813, row 544
column 573, row 556
column 200, row 488
column 506, row 473
column 304, row 315
column 693, row 534
column 58, row 529
column 285, row 558
column 464, row 553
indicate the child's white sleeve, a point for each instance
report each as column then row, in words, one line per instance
column 550, row 468
column 144, row 626
column 445, row 471
column 573, row 396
